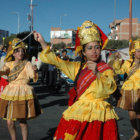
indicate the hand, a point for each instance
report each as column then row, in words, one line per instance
column 92, row 66
column 38, row 37
column 117, row 55
column 34, row 67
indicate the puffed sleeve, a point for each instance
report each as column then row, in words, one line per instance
column 31, row 74
column 105, row 84
column 5, row 69
column 119, row 67
column 68, row 68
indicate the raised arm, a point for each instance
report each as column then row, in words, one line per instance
column 116, row 63
column 38, row 37
column 47, row 56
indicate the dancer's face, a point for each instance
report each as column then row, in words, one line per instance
column 19, row 54
column 92, row 51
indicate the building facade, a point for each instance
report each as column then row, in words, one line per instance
column 62, row 36
column 120, row 29
column 3, row 35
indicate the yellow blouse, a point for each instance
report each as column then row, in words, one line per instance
column 91, row 105
column 19, row 89
column 133, row 83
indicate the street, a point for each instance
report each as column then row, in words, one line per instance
column 53, row 104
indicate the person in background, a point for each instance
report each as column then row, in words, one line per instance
column 64, row 55
column 52, row 77
column 89, row 116
column 3, row 79
column 130, row 91
column 18, row 100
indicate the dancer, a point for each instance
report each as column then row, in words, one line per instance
column 18, row 101
column 130, row 91
column 90, row 116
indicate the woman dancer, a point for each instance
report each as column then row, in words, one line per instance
column 18, row 101
column 130, row 91
column 90, row 116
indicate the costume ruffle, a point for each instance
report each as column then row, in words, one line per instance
column 90, row 111
column 17, row 92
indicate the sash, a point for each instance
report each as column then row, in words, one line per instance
column 14, row 73
column 86, row 77
column 133, row 70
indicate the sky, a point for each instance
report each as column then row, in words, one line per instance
column 68, row 13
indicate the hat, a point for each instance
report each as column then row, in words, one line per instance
column 134, row 45
column 15, row 44
column 89, row 32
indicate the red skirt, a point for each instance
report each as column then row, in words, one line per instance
column 3, row 84
column 95, row 130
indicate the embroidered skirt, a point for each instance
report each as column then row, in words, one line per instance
column 76, row 130
column 130, row 100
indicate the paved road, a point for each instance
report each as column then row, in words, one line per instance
column 53, row 104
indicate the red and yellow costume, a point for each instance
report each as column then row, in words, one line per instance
column 18, row 100
column 90, row 116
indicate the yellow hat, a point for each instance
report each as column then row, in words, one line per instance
column 134, row 45
column 88, row 32
column 16, row 43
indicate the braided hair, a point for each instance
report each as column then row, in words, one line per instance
column 81, row 66
column 133, row 60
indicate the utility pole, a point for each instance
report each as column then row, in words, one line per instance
column 114, row 19
column 130, row 19
column 30, row 19
column 31, row 14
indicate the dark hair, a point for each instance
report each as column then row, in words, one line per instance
column 81, row 66
column 133, row 60
column 4, row 48
column 64, row 51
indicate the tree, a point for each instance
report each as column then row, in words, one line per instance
column 8, row 39
column 59, row 46
column 117, row 44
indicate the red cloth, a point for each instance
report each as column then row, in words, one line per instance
column 95, row 130
column 72, row 96
column 3, row 83
column 77, row 40
column 86, row 77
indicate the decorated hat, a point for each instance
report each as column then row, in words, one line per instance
column 15, row 44
column 134, row 45
column 89, row 32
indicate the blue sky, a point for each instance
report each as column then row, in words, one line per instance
column 73, row 13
